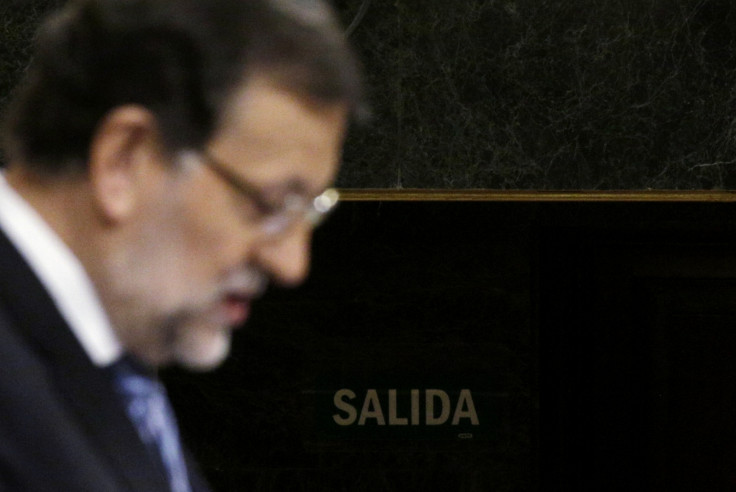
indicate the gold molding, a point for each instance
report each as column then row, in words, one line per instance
column 357, row 195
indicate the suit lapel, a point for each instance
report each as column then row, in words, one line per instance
column 85, row 389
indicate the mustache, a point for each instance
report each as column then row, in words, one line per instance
column 249, row 282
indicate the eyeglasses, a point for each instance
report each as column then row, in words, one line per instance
column 277, row 217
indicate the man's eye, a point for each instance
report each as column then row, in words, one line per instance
column 257, row 209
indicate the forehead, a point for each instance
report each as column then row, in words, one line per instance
column 272, row 136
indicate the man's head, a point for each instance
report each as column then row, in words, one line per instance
column 177, row 147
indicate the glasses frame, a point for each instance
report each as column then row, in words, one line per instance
column 275, row 219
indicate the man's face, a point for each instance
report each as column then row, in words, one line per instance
column 200, row 257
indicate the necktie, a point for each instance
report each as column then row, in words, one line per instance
column 148, row 408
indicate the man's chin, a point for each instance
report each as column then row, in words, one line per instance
column 203, row 351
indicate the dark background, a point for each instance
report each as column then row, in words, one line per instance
column 397, row 299
column 602, row 332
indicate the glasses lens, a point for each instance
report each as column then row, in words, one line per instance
column 326, row 201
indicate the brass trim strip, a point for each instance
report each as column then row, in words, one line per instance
column 357, row 195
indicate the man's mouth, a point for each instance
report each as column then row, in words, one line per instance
column 237, row 309
column 239, row 292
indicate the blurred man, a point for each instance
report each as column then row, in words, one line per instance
column 166, row 158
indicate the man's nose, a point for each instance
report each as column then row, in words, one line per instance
column 287, row 257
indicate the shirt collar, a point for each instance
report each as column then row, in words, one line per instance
column 61, row 273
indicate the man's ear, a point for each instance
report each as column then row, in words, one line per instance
column 123, row 150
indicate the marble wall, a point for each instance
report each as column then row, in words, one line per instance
column 530, row 94
column 525, row 94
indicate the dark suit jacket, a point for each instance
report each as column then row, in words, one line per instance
column 62, row 426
